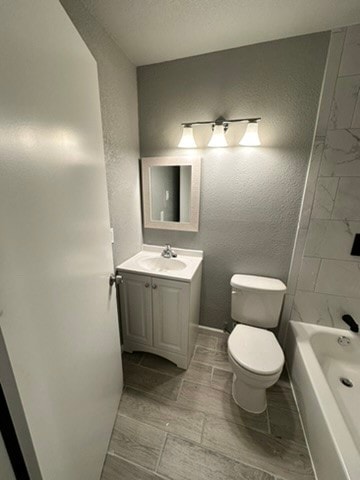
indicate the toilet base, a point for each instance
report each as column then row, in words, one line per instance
column 250, row 399
column 249, row 388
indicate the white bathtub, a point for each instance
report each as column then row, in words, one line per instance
column 330, row 411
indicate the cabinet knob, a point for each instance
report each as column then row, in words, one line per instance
column 147, row 285
column 154, row 286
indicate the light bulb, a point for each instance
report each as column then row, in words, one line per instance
column 251, row 135
column 218, row 137
column 187, row 139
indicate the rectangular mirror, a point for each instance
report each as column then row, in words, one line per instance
column 171, row 192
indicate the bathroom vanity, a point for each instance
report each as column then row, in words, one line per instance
column 160, row 303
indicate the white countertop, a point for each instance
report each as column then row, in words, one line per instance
column 137, row 264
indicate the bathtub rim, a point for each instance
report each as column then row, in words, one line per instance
column 298, row 343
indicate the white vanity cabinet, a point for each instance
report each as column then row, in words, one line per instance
column 136, row 308
column 160, row 315
column 171, row 310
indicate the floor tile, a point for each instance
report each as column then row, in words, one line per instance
column 219, row 403
column 150, row 381
column 284, row 380
column 183, row 460
column 222, row 380
column 163, row 414
column 212, row 357
column 161, row 364
column 162, row 401
column 285, row 424
column 116, row 468
column 197, row 372
column 208, row 341
column 222, row 344
column 136, row 441
column 279, row 457
column 134, row 357
column 281, row 397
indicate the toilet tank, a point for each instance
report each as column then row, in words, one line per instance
column 256, row 301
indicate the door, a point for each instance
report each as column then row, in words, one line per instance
column 135, row 300
column 58, row 315
column 170, row 314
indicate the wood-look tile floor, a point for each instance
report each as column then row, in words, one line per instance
column 184, row 425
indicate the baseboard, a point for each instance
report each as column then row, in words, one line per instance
column 203, row 329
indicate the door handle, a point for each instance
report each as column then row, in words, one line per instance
column 117, row 279
column 147, row 285
column 154, row 286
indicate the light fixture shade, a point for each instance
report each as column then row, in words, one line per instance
column 187, row 140
column 218, row 137
column 251, row 135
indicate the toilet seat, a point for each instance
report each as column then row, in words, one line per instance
column 256, row 350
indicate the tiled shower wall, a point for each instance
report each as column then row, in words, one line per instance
column 324, row 279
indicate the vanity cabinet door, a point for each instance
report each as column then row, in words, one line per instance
column 170, row 314
column 135, row 300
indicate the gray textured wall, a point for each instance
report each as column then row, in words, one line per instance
column 118, row 96
column 250, row 198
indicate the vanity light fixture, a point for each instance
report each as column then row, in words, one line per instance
column 219, row 128
column 218, row 136
column 187, row 140
column 251, row 135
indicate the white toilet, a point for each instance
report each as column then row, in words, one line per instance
column 255, row 355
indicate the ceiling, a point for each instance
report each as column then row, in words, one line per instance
column 152, row 31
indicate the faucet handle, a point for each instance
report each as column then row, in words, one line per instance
column 168, row 252
column 348, row 319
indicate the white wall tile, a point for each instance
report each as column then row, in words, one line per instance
column 347, row 202
column 285, row 317
column 332, row 66
column 344, row 102
column 331, row 239
column 296, row 260
column 328, row 283
column 350, row 60
column 337, row 277
column 308, row 273
column 341, row 155
column 324, row 309
column 311, row 181
column 324, row 197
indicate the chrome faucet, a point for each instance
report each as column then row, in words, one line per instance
column 168, row 252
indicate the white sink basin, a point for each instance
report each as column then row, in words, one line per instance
column 161, row 264
column 150, row 262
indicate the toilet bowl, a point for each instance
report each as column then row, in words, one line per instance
column 255, row 355
column 257, row 361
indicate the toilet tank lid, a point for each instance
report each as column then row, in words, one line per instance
column 253, row 282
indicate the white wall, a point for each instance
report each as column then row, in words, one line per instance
column 118, row 97
column 324, row 281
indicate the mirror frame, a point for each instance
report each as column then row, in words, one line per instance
column 195, row 163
